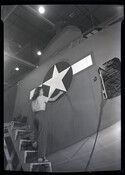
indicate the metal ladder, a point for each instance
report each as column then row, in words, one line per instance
column 19, row 155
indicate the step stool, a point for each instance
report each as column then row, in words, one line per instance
column 30, row 156
column 21, row 132
column 41, row 167
column 26, row 145
column 16, row 125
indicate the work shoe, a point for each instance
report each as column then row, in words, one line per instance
column 35, row 144
column 42, row 160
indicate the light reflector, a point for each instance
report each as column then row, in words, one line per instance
column 41, row 10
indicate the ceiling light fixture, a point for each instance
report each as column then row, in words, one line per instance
column 17, row 68
column 39, row 53
column 41, row 10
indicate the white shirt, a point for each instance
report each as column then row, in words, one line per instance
column 39, row 104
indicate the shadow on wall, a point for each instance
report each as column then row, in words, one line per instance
column 68, row 132
column 52, row 141
column 9, row 102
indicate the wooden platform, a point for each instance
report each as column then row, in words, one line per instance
column 41, row 167
column 26, row 155
column 30, row 156
column 26, row 145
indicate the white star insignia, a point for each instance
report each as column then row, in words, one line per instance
column 56, row 81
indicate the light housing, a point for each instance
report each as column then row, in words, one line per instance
column 41, row 10
column 17, row 68
column 39, row 53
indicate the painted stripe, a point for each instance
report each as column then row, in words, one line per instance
column 82, row 64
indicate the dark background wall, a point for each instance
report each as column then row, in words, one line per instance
column 75, row 115
column 9, row 102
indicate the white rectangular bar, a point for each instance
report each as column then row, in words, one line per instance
column 82, row 64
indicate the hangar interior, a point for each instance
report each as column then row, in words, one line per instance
column 76, row 49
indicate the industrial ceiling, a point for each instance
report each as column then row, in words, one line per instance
column 26, row 31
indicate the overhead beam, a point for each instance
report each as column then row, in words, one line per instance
column 20, row 50
column 106, row 23
column 8, row 85
column 36, row 13
column 20, row 60
column 9, row 13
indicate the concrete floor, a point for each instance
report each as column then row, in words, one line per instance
column 106, row 156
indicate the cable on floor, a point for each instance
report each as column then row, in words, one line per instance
column 103, row 101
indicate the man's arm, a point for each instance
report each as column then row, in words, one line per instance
column 55, row 98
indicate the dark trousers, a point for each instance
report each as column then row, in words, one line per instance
column 39, row 126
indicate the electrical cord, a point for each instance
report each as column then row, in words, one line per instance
column 100, row 117
column 99, row 122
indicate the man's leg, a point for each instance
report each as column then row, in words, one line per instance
column 42, row 140
column 35, row 129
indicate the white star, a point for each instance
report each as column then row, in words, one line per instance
column 76, row 68
column 56, row 81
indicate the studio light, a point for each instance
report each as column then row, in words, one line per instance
column 41, row 10
column 39, row 53
column 17, row 69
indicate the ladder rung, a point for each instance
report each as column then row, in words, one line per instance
column 16, row 125
column 26, row 145
column 20, row 133
column 30, row 156
column 41, row 167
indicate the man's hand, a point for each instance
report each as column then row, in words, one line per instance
column 54, row 98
